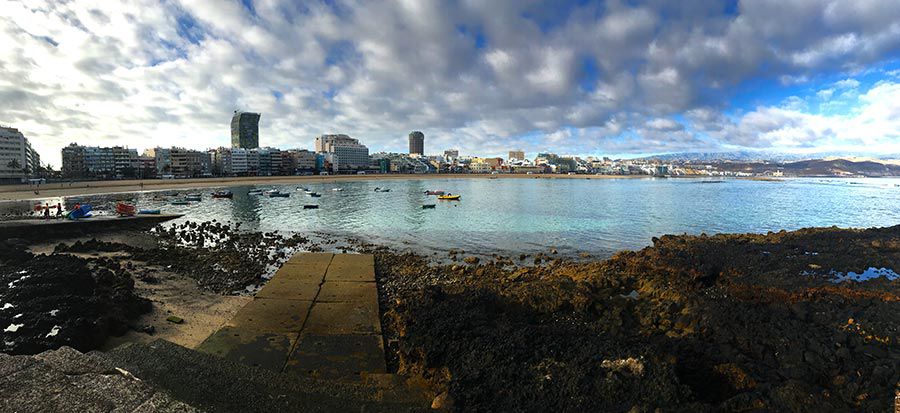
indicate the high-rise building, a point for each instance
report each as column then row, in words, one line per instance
column 18, row 159
column 416, row 143
column 516, row 155
column 324, row 142
column 245, row 130
column 345, row 152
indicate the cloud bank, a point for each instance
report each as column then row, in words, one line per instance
column 575, row 77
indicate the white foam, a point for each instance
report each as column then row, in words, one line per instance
column 54, row 331
column 7, row 306
column 53, row 313
column 13, row 328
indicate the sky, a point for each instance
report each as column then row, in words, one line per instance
column 613, row 78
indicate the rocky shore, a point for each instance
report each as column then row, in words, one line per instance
column 693, row 323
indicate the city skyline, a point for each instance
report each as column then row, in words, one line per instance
column 582, row 78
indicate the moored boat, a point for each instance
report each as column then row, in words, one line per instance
column 149, row 212
column 434, row 192
column 428, row 206
column 310, row 207
column 276, row 194
column 125, row 209
column 223, row 194
column 449, row 197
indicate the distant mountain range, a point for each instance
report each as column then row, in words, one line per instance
column 816, row 167
column 761, row 157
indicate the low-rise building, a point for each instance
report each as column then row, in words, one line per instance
column 99, row 162
column 297, row 161
column 187, row 163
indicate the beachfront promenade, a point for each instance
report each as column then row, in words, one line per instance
column 317, row 317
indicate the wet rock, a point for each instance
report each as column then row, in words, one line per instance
column 471, row 260
column 442, row 401
column 61, row 300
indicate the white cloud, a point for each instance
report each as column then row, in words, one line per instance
column 482, row 76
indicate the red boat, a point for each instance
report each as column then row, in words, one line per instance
column 125, row 210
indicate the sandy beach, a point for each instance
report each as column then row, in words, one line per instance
column 58, row 189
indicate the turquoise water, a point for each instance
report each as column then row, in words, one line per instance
column 526, row 215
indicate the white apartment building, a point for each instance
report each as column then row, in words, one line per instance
column 18, row 159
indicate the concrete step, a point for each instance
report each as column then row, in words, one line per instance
column 215, row 384
column 317, row 317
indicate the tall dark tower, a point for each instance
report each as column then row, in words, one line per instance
column 245, row 130
column 416, row 143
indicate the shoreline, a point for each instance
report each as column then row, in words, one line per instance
column 14, row 193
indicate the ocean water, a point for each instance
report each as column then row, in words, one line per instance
column 599, row 216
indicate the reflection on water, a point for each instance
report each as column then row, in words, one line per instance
column 523, row 215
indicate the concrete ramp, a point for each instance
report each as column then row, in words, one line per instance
column 318, row 317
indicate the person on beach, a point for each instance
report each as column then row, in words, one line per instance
column 58, row 209
column 46, row 211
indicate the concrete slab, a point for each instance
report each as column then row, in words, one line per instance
column 289, row 289
column 340, row 291
column 351, row 267
column 271, row 316
column 337, row 357
column 311, row 258
column 259, row 349
column 314, row 273
column 343, row 318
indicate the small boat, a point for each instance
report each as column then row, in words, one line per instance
column 337, row 189
column 314, row 194
column 180, row 202
column 449, row 197
column 434, row 192
column 223, row 194
column 382, row 189
column 149, row 212
column 276, row 194
column 194, row 197
column 124, row 209
column 80, row 211
column 428, row 206
column 310, row 207
column 255, row 192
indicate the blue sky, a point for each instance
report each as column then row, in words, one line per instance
column 608, row 78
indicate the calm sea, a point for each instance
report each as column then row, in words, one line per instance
column 599, row 216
